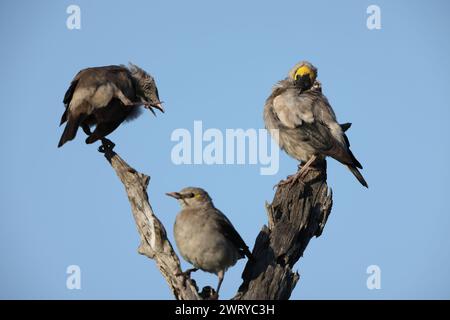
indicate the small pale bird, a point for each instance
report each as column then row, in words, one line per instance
column 306, row 124
column 105, row 97
column 205, row 236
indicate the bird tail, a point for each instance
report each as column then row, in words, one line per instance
column 63, row 118
column 345, row 126
column 70, row 130
column 245, row 252
column 358, row 175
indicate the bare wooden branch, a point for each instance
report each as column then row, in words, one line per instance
column 298, row 212
column 154, row 242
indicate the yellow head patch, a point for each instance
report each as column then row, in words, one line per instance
column 305, row 70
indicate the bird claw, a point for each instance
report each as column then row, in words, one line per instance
column 290, row 180
column 208, row 293
column 300, row 174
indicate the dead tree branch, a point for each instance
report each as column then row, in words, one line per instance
column 298, row 212
column 154, row 242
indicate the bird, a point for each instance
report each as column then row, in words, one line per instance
column 204, row 235
column 303, row 123
column 105, row 97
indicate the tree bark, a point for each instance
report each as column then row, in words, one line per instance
column 298, row 212
column 154, row 242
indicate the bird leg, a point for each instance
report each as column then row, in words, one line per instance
column 297, row 177
column 127, row 102
column 208, row 293
column 305, row 168
column 221, row 275
column 186, row 274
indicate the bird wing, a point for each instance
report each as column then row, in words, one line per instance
column 309, row 116
column 95, row 78
column 69, row 94
column 228, row 230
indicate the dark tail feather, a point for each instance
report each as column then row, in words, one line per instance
column 70, row 131
column 63, row 118
column 345, row 126
column 354, row 160
column 245, row 252
column 358, row 176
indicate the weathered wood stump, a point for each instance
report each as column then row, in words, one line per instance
column 298, row 212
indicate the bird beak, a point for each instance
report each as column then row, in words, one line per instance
column 150, row 106
column 156, row 106
column 175, row 195
column 304, row 82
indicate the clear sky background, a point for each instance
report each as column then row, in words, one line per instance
column 216, row 62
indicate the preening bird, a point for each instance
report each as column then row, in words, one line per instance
column 204, row 235
column 105, row 97
column 306, row 124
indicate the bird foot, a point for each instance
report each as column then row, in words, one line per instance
column 107, row 146
column 135, row 104
column 208, row 293
column 186, row 275
column 290, row 180
column 301, row 173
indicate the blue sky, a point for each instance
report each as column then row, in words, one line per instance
column 216, row 62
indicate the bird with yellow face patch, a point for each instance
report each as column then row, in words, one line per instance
column 306, row 124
